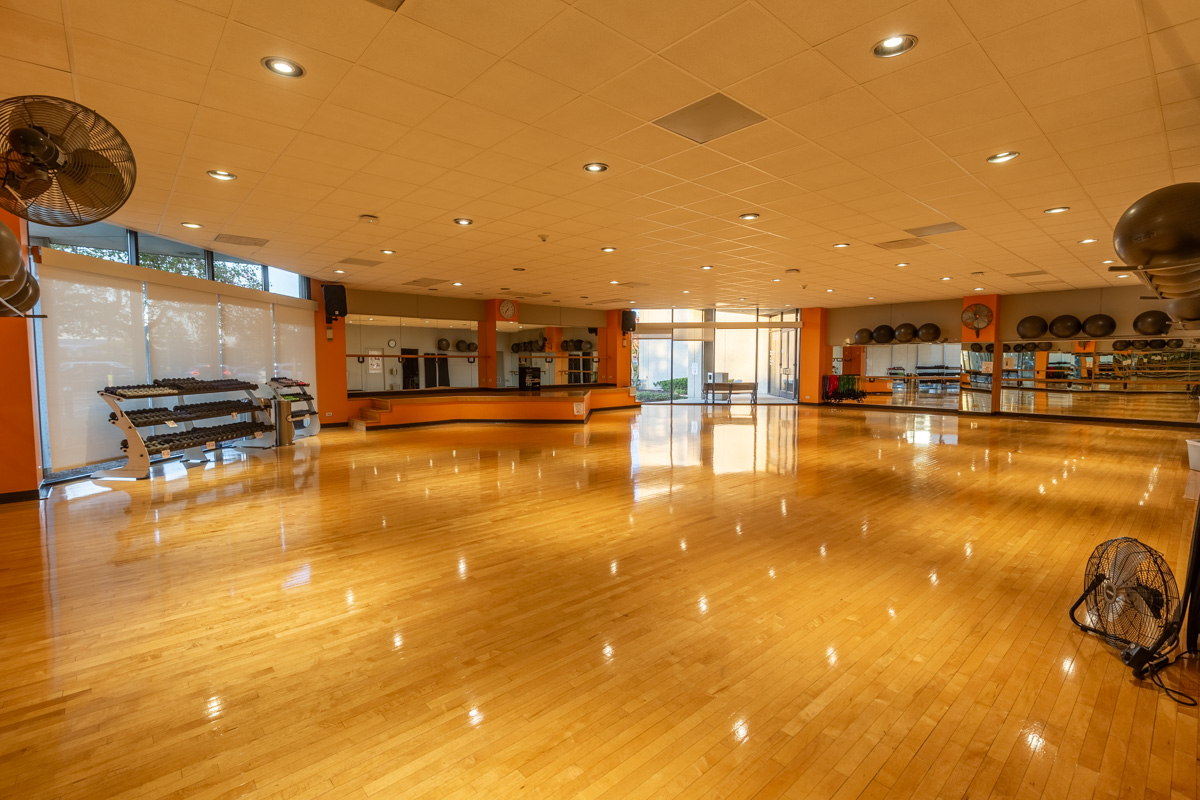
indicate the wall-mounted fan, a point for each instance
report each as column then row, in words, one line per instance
column 61, row 165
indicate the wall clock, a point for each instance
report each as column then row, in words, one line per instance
column 391, row 342
column 508, row 309
column 977, row 317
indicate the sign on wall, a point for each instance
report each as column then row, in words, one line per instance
column 374, row 361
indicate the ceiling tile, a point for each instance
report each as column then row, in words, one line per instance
column 652, row 89
column 515, row 92
column 486, row 24
column 819, row 22
column 243, row 48
column 340, row 29
column 576, row 50
column 242, row 96
column 1077, row 30
column 175, row 29
column 33, row 39
column 588, row 121
column 739, row 44
column 363, row 90
column 109, row 60
column 655, row 25
column 418, row 54
column 354, row 127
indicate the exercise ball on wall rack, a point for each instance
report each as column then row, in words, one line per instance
column 1141, row 344
column 1159, row 229
column 1065, row 326
column 1158, row 344
column 863, row 336
column 1045, row 347
column 906, row 332
column 991, row 348
column 1185, row 309
column 976, row 347
column 1174, row 344
column 1121, row 345
column 883, row 334
column 1018, row 347
column 1152, row 323
column 472, row 347
column 1008, row 348
column 1099, row 325
column 929, row 332
column 515, row 347
column 443, row 344
column 1031, row 327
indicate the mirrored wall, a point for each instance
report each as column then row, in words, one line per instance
column 391, row 354
column 917, row 374
column 561, row 356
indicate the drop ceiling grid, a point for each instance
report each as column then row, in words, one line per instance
column 300, row 140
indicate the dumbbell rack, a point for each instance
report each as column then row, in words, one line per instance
column 191, row 441
column 296, row 392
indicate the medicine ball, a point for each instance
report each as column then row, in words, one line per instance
column 1140, row 344
column 443, row 344
column 976, row 347
column 906, row 332
column 1045, row 347
column 883, row 334
column 1159, row 230
column 1174, row 344
column 1098, row 325
column 1121, row 345
column 929, row 332
column 1158, row 344
column 863, row 336
column 1008, row 348
column 991, row 348
column 1152, row 323
column 1031, row 327
column 1065, row 326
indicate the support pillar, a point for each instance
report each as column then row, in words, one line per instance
column 985, row 336
column 21, row 468
column 816, row 354
column 332, row 403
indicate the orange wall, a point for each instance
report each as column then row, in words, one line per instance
column 616, row 354
column 331, row 364
column 487, row 343
column 816, row 357
column 21, row 467
column 852, row 360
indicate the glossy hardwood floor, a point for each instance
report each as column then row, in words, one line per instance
column 1148, row 406
column 688, row 602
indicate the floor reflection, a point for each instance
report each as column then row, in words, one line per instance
column 1165, row 406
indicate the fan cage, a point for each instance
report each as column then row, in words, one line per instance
column 1130, row 593
column 100, row 175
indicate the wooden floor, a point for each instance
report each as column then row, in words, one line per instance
column 1149, row 406
column 689, row 602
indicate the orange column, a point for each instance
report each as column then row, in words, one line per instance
column 816, row 355
column 852, row 360
column 331, row 364
column 615, row 352
column 984, row 336
column 558, row 370
column 487, row 344
column 21, row 468
column 1041, row 360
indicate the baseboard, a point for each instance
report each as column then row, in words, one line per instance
column 957, row 412
column 20, row 497
column 392, row 425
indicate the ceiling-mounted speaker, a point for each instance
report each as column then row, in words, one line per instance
column 883, row 334
column 929, row 332
column 863, row 336
column 1098, row 325
column 1065, row 326
column 1152, row 323
column 628, row 321
column 334, row 295
column 1160, row 230
column 1031, row 327
column 906, row 332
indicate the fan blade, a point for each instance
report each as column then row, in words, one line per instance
column 71, row 134
column 1124, row 570
column 23, row 179
column 90, row 180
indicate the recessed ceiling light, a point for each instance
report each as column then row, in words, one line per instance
column 775, row 280
column 388, row 252
column 370, row 219
column 979, row 288
column 283, row 66
column 1000, row 158
column 608, row 249
column 945, row 279
column 741, row 299
column 1108, row 262
column 706, row 268
column 687, row 291
column 787, row 305
column 463, row 221
column 456, row 284
column 871, row 298
column 614, row 281
column 1086, row 241
column 1122, row 276
column 222, row 175
column 894, row 45
column 339, row 272
column 1057, row 210
column 902, row 264
column 631, row 302
column 595, row 166
column 829, row 290
column 842, row 244
column 748, row 216
column 191, row 224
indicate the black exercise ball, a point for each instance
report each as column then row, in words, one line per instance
column 1031, row 328
column 1045, row 347
column 472, row 346
column 883, row 334
column 863, row 336
column 1152, row 323
column 1065, row 326
column 443, row 344
column 1098, row 325
column 906, row 332
column 1158, row 344
column 1121, row 345
column 1008, row 348
column 991, row 348
column 1174, row 344
column 1018, row 347
column 1140, row 344
column 515, row 347
column 461, row 346
column 976, row 347
column 1159, row 230
column 1184, row 309
column 585, row 346
column 929, row 332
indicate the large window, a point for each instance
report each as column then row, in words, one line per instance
column 168, row 256
column 237, row 271
column 280, row 281
column 98, row 240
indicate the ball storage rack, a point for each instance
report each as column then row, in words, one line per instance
column 250, row 419
column 304, row 415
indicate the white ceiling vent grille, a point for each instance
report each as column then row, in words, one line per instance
column 901, row 244
column 245, row 241
column 934, row 230
column 424, row 282
column 359, row 262
column 711, row 118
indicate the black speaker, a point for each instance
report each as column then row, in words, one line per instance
column 593, row 331
column 628, row 321
column 335, row 301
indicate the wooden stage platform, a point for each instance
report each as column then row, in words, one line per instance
column 561, row 406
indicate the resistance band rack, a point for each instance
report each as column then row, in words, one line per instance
column 142, row 451
column 304, row 413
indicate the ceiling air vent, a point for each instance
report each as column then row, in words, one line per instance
column 359, row 262
column 1027, row 274
column 424, row 282
column 901, row 244
column 245, row 241
column 934, row 230
column 711, row 118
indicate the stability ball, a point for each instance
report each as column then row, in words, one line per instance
column 863, row 336
column 1159, row 230
column 1186, row 309
column 1121, row 344
column 1018, row 347
column 515, row 347
column 883, row 334
column 991, row 348
column 929, row 332
column 1065, row 326
column 1031, row 327
column 1152, row 323
column 1008, row 348
column 1174, row 344
column 1140, row 344
column 1045, row 347
column 443, row 344
column 976, row 347
column 1098, row 325
column 906, row 332
column 472, row 347
column 1158, row 344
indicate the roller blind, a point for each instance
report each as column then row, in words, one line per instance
column 295, row 345
column 183, row 326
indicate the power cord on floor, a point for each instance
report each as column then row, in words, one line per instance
column 1182, row 698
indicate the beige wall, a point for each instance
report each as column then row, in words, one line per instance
column 395, row 304
column 946, row 314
